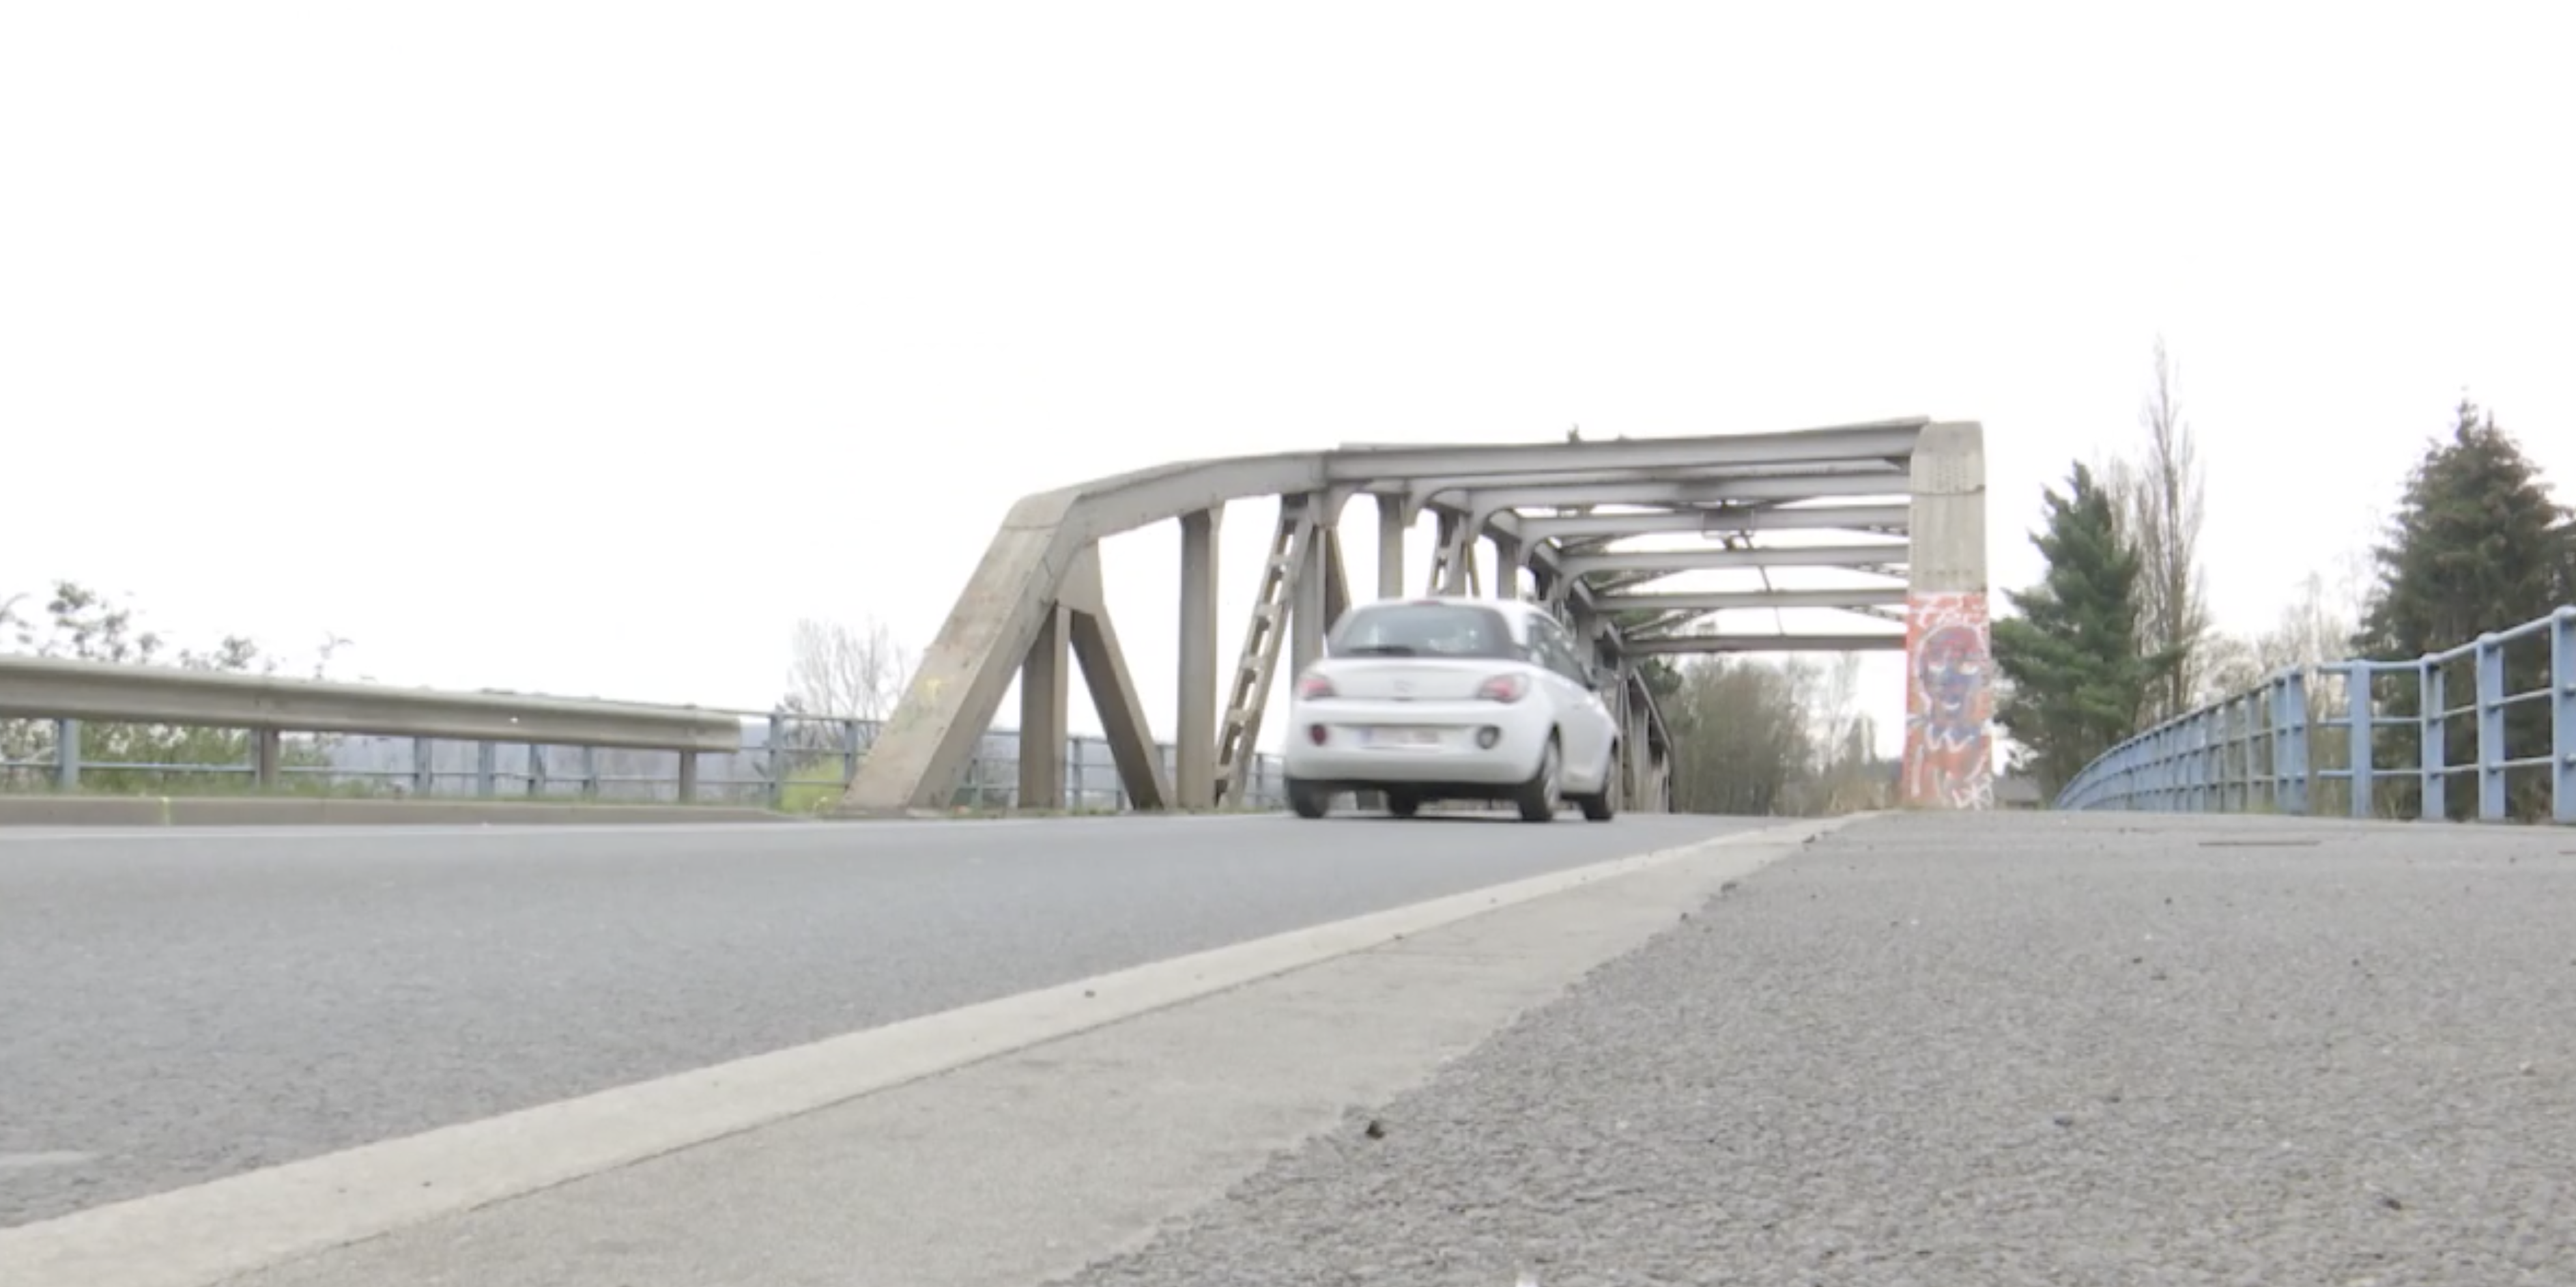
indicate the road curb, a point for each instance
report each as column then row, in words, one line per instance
column 212, row 1232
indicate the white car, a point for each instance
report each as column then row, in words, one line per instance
column 1452, row 699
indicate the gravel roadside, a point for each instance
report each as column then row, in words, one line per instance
column 1996, row 1051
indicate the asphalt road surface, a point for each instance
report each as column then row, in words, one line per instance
column 1992, row 1052
column 179, row 1006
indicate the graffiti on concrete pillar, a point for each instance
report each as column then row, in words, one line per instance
column 1949, row 702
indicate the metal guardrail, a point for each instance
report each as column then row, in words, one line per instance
column 2261, row 750
column 373, row 740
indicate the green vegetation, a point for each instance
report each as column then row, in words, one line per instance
column 2074, row 681
column 77, row 623
column 814, row 789
column 1756, row 738
column 2477, row 545
column 2114, row 639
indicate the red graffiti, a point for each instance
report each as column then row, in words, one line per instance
column 1949, row 703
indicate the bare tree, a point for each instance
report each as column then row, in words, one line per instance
column 2162, row 504
column 843, row 672
column 1837, row 698
column 2315, row 628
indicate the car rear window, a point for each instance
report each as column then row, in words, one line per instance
column 1422, row 630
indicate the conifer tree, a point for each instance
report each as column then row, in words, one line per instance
column 2074, row 680
column 2477, row 545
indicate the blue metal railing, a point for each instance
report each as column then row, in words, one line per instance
column 2270, row 749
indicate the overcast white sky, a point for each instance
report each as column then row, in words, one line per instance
column 582, row 348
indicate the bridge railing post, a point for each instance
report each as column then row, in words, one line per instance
column 2357, row 730
column 2562, row 715
column 2298, row 764
column 2240, row 752
column 776, row 760
column 2433, row 725
column 67, row 755
column 2201, row 771
column 2489, row 657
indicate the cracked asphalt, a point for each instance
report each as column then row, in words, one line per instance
column 1996, row 1051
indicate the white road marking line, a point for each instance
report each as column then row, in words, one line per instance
column 198, row 1236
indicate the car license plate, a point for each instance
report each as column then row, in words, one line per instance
column 1404, row 737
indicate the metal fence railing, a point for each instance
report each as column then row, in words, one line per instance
column 2371, row 739
column 793, row 762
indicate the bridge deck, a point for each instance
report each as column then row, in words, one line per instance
column 1987, row 1049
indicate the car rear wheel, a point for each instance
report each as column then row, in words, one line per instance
column 1599, row 806
column 1538, row 797
column 1308, row 800
column 1402, row 805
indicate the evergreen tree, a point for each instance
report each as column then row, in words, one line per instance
column 2074, row 681
column 2477, row 545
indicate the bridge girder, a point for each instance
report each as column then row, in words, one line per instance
column 1036, row 603
column 1686, row 645
column 1576, row 532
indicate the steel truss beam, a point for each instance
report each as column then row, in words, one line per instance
column 1076, row 627
column 1459, row 491
column 1714, row 489
column 1724, row 601
column 1665, row 562
column 1889, row 440
column 921, row 753
column 1238, row 738
column 1034, row 605
column 1565, row 528
column 1675, row 645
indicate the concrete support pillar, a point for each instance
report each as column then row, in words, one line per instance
column 1634, row 743
column 1046, row 700
column 1391, row 531
column 1308, row 607
column 1083, row 607
column 1122, row 717
column 1507, row 568
column 1194, row 740
column 1586, row 628
column 1454, row 566
column 1337, row 577
column 1623, row 717
column 1949, row 663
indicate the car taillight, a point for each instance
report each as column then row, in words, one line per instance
column 1504, row 688
column 1310, row 687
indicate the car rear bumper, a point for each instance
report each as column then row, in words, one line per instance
column 1384, row 743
